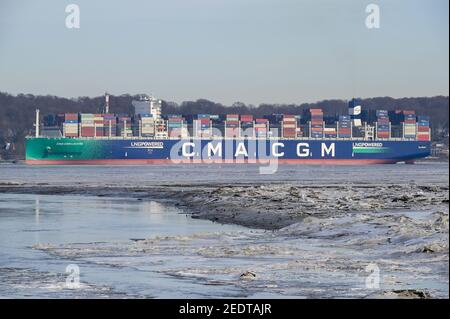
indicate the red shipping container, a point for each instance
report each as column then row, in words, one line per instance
column 87, row 131
column 71, row 134
column 71, row 116
column 423, row 128
column 424, row 137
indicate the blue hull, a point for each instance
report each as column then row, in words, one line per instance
column 147, row 151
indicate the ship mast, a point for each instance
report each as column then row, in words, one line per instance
column 37, row 123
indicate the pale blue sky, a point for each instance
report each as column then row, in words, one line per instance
column 276, row 51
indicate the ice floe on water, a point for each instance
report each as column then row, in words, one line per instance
column 29, row 283
column 314, row 258
column 315, row 232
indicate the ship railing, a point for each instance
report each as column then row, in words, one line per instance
column 271, row 138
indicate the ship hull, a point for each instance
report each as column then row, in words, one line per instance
column 82, row 151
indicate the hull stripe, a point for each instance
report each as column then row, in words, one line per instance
column 168, row 161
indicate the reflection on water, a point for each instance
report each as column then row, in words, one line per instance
column 28, row 221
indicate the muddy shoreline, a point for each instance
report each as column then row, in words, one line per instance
column 266, row 206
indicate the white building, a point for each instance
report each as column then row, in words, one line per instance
column 147, row 105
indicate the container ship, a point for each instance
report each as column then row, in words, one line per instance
column 149, row 137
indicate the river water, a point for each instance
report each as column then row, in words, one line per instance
column 129, row 248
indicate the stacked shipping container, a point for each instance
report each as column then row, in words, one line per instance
column 175, row 126
column 409, row 124
column 316, row 128
column 98, row 125
column 147, row 125
column 232, row 125
column 383, row 124
column 70, row 125
column 247, row 125
column 289, row 126
column 345, row 126
column 160, row 128
column 109, row 125
column 124, row 126
column 298, row 129
column 87, row 125
column 261, row 128
column 423, row 128
column 203, row 126
column 330, row 132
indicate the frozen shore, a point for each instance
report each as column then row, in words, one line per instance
column 267, row 206
column 317, row 240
